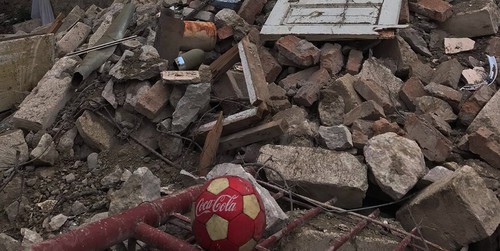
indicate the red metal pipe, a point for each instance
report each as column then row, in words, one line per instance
column 115, row 229
column 161, row 240
column 354, row 231
column 265, row 244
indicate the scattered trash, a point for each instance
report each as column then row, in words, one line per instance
column 490, row 79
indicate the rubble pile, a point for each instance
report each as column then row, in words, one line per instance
column 412, row 118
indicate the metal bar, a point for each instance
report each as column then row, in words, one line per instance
column 278, row 195
column 354, row 231
column 406, row 241
column 115, row 229
column 100, row 46
column 340, row 210
column 159, row 239
column 182, row 217
column 289, row 227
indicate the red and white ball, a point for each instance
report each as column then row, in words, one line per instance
column 228, row 215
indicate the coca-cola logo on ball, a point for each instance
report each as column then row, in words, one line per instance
column 223, row 203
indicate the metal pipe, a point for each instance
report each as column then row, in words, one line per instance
column 199, row 35
column 115, row 229
column 101, row 46
column 159, row 239
column 354, row 231
column 95, row 59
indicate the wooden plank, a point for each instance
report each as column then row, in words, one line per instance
column 222, row 64
column 209, row 152
column 255, row 77
column 279, row 12
column 320, row 33
column 234, row 123
column 181, row 77
column 389, row 13
column 253, row 135
column 337, row 2
column 56, row 23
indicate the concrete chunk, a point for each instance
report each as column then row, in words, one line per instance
column 74, row 38
column 10, row 142
column 151, row 102
column 435, row 146
column 321, row 174
column 40, row 108
column 473, row 19
column 95, row 132
column 45, row 153
column 463, row 197
column 193, row 102
column 367, row 110
column 397, row 163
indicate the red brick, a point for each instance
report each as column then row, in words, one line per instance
column 482, row 143
column 370, row 90
column 310, row 92
column 448, row 94
column 225, row 32
column 250, row 9
column 150, row 103
column 473, row 105
column 367, row 110
column 293, row 81
column 433, row 9
column 332, row 58
column 435, row 146
column 412, row 89
column 354, row 62
column 270, row 65
column 382, row 126
column 299, row 51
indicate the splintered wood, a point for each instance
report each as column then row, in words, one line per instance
column 209, row 152
column 255, row 78
column 181, row 77
column 253, row 135
column 235, row 122
column 222, row 64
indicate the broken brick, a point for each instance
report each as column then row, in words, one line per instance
column 354, row 62
column 483, row 143
column 150, row 103
column 270, row 65
column 293, row 81
column 224, row 32
column 382, row 126
column 412, row 89
column 435, row 146
column 473, row 19
column 332, row 58
column 434, row 9
column 372, row 91
column 309, row 93
column 250, row 9
column 299, row 51
column 448, row 73
column 367, row 110
column 448, row 94
column 473, row 105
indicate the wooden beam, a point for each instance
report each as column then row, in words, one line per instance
column 209, row 152
column 181, row 77
column 234, row 123
column 253, row 135
column 56, row 23
column 222, row 64
column 255, row 77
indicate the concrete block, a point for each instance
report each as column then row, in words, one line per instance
column 473, row 19
column 40, row 108
column 462, row 197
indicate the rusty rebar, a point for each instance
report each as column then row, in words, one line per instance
column 354, row 231
column 406, row 241
column 340, row 210
column 161, row 240
column 264, row 244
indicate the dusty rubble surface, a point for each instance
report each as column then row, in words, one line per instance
column 364, row 121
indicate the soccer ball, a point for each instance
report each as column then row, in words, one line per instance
column 228, row 215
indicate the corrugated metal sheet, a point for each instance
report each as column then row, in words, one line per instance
column 331, row 19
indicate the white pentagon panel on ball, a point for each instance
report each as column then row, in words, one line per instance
column 218, row 185
column 217, row 228
column 249, row 246
column 251, row 206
